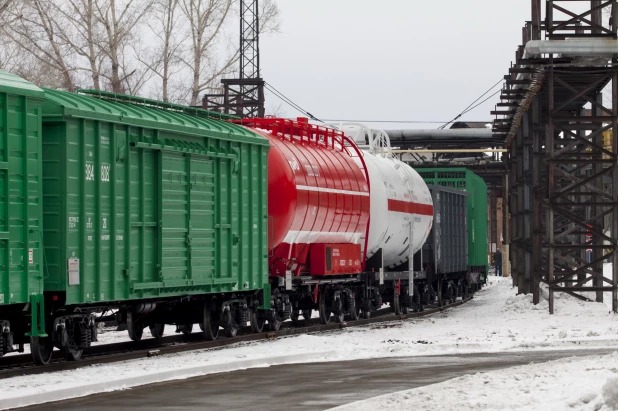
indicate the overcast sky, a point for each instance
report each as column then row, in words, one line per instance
column 421, row 60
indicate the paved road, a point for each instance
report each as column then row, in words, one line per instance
column 315, row 386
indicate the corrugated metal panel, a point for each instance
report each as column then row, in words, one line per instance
column 12, row 84
column 21, row 260
column 449, row 234
column 152, row 209
column 87, row 107
column 464, row 179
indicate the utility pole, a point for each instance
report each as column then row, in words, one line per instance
column 243, row 96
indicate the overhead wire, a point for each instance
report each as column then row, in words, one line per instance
column 469, row 108
column 285, row 99
column 472, row 108
column 400, row 121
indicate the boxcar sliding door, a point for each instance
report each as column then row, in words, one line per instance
column 187, row 199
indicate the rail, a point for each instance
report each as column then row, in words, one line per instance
column 17, row 365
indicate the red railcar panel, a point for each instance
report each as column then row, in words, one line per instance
column 317, row 194
column 333, row 259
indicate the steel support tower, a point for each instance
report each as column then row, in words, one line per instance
column 561, row 191
column 243, row 96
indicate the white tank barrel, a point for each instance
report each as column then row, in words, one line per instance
column 399, row 197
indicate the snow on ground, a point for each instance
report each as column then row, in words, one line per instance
column 496, row 320
column 577, row 383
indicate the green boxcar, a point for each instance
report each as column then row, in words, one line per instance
column 464, row 179
column 21, row 259
column 146, row 202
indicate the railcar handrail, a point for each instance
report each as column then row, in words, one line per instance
column 299, row 130
column 351, row 145
column 142, row 101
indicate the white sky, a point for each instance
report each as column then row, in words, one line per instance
column 391, row 60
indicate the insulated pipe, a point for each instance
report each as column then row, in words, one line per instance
column 420, row 134
column 573, row 47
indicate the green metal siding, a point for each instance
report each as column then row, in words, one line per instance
column 464, row 179
column 21, row 260
column 142, row 202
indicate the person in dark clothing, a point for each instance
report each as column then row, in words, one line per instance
column 498, row 262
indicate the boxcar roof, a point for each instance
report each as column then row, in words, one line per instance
column 12, row 84
column 62, row 103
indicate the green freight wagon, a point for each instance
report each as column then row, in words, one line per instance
column 21, row 257
column 158, row 209
column 464, row 179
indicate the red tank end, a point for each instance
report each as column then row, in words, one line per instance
column 281, row 196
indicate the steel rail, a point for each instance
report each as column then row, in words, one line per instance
column 18, row 365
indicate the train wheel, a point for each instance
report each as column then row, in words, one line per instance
column 135, row 328
column 355, row 313
column 156, row 330
column 231, row 331
column 307, row 314
column 340, row 318
column 324, row 313
column 366, row 313
column 465, row 292
column 274, row 324
column 41, row 348
column 209, row 325
column 295, row 314
column 440, row 295
column 257, row 323
column 396, row 304
column 186, row 329
column 72, row 354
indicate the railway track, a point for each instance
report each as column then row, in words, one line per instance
column 16, row 365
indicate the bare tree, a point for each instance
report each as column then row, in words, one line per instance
column 8, row 49
column 95, row 43
column 79, row 29
column 11, row 58
column 275, row 110
column 33, row 29
column 120, row 19
column 77, row 37
column 269, row 17
column 164, row 59
column 4, row 6
column 206, row 20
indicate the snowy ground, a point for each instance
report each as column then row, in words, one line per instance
column 496, row 320
column 582, row 383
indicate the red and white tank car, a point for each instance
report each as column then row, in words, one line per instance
column 344, row 220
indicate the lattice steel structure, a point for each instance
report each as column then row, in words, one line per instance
column 561, row 189
column 244, row 96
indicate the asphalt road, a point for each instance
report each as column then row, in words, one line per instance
column 314, row 386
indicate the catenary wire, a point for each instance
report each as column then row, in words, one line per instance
column 284, row 99
column 282, row 96
column 465, row 110
column 470, row 107
column 401, row 121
